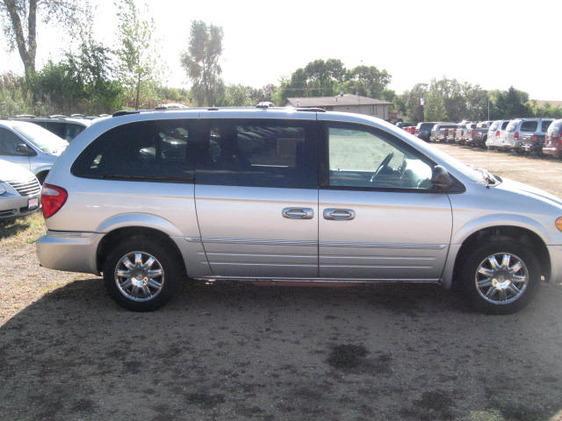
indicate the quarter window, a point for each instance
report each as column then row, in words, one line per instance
column 363, row 159
column 545, row 125
column 256, row 154
column 153, row 150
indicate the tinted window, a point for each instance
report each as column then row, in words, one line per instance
column 53, row 127
column 9, row 142
column 494, row 125
column 257, row 154
column 504, row 124
column 529, row 126
column 545, row 124
column 364, row 159
column 154, row 150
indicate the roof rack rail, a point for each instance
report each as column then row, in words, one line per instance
column 58, row 116
column 25, row 116
column 311, row 109
column 124, row 112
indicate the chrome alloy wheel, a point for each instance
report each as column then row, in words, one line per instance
column 139, row 276
column 502, row 278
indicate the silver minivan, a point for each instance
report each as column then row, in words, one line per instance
column 525, row 134
column 150, row 198
column 30, row 146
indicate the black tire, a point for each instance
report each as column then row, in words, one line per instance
column 477, row 255
column 167, row 258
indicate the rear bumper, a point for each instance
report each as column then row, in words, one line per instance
column 69, row 251
column 14, row 206
column 552, row 151
column 555, row 253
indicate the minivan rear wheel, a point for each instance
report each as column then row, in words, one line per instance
column 500, row 276
column 140, row 274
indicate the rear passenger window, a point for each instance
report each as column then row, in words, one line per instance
column 529, row 126
column 545, row 125
column 256, row 154
column 151, row 151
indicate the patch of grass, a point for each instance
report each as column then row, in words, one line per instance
column 20, row 231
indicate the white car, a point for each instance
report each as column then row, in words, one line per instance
column 19, row 191
column 30, row 146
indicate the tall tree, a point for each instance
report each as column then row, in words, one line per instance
column 368, row 81
column 201, row 63
column 135, row 49
column 19, row 18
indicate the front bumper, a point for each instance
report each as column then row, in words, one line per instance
column 555, row 253
column 12, row 206
column 69, row 251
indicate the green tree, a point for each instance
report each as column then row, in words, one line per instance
column 411, row 102
column 14, row 95
column 201, row 63
column 19, row 18
column 367, row 81
column 135, row 49
column 317, row 78
column 511, row 104
column 83, row 82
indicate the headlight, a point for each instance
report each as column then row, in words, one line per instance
column 558, row 223
column 2, row 188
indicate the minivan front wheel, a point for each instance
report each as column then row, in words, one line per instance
column 500, row 276
column 141, row 275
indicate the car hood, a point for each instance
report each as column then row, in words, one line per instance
column 530, row 192
column 9, row 171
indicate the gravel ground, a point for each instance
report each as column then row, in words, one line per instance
column 242, row 352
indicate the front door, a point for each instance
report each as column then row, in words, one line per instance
column 380, row 218
column 257, row 198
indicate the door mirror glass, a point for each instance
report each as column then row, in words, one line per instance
column 23, row 149
column 441, row 179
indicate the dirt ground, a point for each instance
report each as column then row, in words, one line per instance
column 274, row 353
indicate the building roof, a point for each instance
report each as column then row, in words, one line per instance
column 334, row 101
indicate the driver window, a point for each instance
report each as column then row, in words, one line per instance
column 362, row 159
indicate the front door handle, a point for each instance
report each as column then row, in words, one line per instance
column 298, row 213
column 332, row 214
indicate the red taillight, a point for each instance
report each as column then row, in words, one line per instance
column 534, row 138
column 516, row 135
column 52, row 199
column 497, row 133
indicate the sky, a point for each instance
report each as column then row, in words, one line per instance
column 492, row 43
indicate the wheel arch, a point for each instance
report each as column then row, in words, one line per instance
column 523, row 234
column 115, row 236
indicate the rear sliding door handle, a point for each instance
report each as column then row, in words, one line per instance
column 332, row 214
column 298, row 213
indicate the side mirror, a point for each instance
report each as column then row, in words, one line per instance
column 23, row 149
column 441, row 179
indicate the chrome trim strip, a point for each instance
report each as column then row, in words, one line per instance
column 324, row 266
column 393, row 246
column 262, row 255
column 317, row 280
column 377, row 257
column 260, row 242
column 313, row 243
column 264, row 264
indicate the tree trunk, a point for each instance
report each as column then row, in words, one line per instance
column 26, row 48
column 137, row 100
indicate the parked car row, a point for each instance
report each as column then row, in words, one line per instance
column 540, row 136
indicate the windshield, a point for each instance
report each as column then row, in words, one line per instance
column 40, row 137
